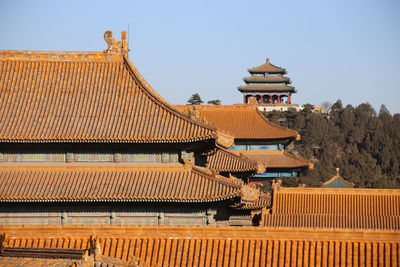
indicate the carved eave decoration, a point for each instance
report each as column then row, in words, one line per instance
column 260, row 168
column 249, row 193
column 116, row 46
column 276, row 185
column 225, row 140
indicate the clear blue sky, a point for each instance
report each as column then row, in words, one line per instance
column 331, row 49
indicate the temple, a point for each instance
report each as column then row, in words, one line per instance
column 83, row 134
column 267, row 84
column 256, row 139
column 269, row 88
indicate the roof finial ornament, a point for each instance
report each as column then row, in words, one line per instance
column 116, row 46
column 337, row 171
column 267, row 60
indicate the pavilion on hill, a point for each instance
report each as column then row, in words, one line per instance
column 267, row 85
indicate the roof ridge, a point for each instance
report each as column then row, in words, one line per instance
column 58, row 55
column 158, row 98
column 334, row 190
column 277, row 126
column 232, row 181
column 238, row 156
column 337, row 176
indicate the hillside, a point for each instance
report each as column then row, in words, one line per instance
column 364, row 144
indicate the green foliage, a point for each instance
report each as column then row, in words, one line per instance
column 195, row 99
column 214, row 102
column 363, row 144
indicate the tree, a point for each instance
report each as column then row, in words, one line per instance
column 383, row 110
column 326, row 106
column 195, row 99
column 363, row 144
column 214, row 102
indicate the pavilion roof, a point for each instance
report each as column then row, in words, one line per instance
column 352, row 208
column 267, row 67
column 277, row 159
column 337, row 181
column 123, row 183
column 241, row 121
column 216, row 246
column 86, row 97
column 266, row 87
column 268, row 79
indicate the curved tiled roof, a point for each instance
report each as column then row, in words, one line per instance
column 337, row 181
column 155, row 183
column 277, row 159
column 268, row 79
column 225, row 161
column 265, row 87
column 353, row 208
column 220, row 246
column 25, row 261
column 242, row 121
column 85, row 97
column 267, row 67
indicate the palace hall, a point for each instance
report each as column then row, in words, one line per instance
column 98, row 169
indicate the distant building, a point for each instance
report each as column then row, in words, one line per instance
column 337, row 181
column 256, row 138
column 269, row 88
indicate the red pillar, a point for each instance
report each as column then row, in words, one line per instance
column 279, row 99
column 289, row 99
column 244, row 99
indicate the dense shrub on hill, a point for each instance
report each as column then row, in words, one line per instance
column 363, row 144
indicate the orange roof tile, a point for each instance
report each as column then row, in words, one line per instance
column 221, row 246
column 242, row 121
column 37, row 262
column 85, row 97
column 267, row 67
column 265, row 87
column 224, row 160
column 277, row 159
column 182, row 183
column 268, row 79
column 352, row 208
column 36, row 254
